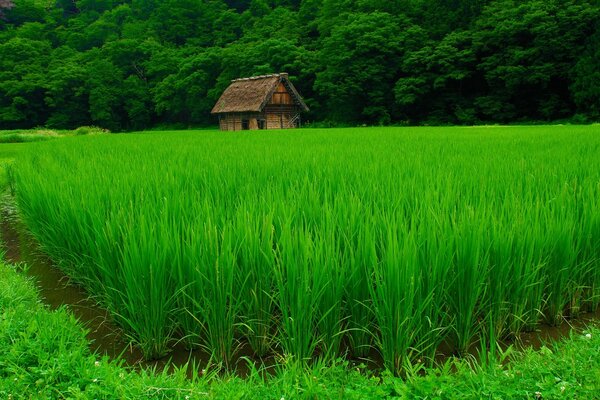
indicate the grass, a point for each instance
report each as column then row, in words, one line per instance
column 45, row 355
column 43, row 134
column 310, row 244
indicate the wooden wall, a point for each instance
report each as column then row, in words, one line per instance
column 281, row 96
column 233, row 121
column 278, row 120
column 279, row 116
column 230, row 122
column 276, row 116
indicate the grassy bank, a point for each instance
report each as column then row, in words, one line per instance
column 45, row 356
column 43, row 134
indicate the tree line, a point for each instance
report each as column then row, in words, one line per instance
column 134, row 64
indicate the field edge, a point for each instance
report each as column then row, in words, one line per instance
column 48, row 356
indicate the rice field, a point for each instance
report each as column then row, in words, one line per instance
column 309, row 244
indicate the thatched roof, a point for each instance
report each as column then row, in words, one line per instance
column 253, row 94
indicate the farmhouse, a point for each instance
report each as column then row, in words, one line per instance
column 260, row 102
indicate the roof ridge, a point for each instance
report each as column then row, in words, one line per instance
column 251, row 78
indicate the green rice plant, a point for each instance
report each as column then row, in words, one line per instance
column 299, row 289
column 560, row 260
column 189, row 309
column 399, row 239
column 467, row 279
column 218, row 303
column 397, row 295
column 515, row 280
column 331, row 269
column 592, row 297
column 361, row 262
column 435, row 254
column 526, row 285
column 579, row 235
column 588, row 225
column 147, row 295
column 256, row 262
column 502, row 287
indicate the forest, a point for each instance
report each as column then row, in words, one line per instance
column 138, row 64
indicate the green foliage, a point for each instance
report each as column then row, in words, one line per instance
column 564, row 371
column 393, row 240
column 586, row 91
column 89, row 130
column 359, row 54
column 38, row 135
column 187, row 94
column 22, row 65
column 45, row 355
column 527, row 51
column 128, row 65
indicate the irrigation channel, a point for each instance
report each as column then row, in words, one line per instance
column 106, row 339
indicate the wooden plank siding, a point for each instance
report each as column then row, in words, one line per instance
column 281, row 96
column 238, row 121
column 275, row 121
column 279, row 116
column 274, row 117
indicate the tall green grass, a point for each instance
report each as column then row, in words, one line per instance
column 319, row 243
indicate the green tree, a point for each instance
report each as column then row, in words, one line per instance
column 67, row 96
column 106, row 94
column 359, row 64
column 128, row 64
column 180, row 21
column 439, row 81
column 585, row 86
column 187, row 95
column 22, row 82
column 527, row 50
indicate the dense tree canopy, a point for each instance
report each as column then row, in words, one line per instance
column 133, row 64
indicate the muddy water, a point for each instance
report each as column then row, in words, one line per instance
column 548, row 334
column 107, row 339
column 56, row 290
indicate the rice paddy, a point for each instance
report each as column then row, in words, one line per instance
column 316, row 244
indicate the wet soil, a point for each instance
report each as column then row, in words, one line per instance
column 106, row 338
column 56, row 290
